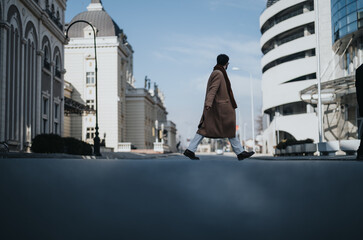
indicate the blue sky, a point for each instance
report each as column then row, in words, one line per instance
column 176, row 44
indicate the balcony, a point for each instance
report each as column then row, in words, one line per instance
column 54, row 18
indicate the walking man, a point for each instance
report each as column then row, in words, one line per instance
column 359, row 90
column 219, row 116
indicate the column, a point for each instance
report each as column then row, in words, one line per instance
column 51, row 97
column 23, row 76
column 4, row 27
column 38, row 110
column 61, row 105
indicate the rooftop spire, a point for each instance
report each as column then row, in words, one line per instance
column 95, row 5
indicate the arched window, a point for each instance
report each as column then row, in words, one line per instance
column 46, row 63
column 46, row 53
column 30, row 96
column 57, row 67
column 57, row 63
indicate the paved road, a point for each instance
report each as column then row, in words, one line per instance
column 175, row 198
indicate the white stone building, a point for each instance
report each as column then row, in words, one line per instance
column 115, row 69
column 31, row 69
column 146, row 119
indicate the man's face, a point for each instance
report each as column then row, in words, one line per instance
column 226, row 66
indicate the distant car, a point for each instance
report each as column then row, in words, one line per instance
column 219, row 151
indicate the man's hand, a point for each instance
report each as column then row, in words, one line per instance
column 207, row 108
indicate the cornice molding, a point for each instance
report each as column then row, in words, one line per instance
column 53, row 28
column 83, row 46
column 33, row 7
column 43, row 16
column 62, row 3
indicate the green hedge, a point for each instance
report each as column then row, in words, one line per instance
column 52, row 143
column 48, row 143
column 290, row 142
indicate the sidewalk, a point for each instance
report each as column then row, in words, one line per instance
column 105, row 155
column 258, row 156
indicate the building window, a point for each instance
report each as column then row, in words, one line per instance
column 57, row 72
column 46, row 63
column 56, row 110
column 91, row 104
column 90, row 134
column 90, row 77
column 45, row 114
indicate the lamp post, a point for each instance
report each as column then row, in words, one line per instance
column 96, row 140
column 317, row 53
column 252, row 115
column 252, row 110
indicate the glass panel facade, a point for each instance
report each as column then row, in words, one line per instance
column 347, row 16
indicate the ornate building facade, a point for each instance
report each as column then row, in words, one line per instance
column 126, row 114
column 115, row 69
column 31, row 69
column 146, row 119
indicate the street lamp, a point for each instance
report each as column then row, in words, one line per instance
column 96, row 140
column 252, row 108
column 320, row 110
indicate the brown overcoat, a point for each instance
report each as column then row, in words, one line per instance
column 220, row 120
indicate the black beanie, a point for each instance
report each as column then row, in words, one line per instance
column 222, row 59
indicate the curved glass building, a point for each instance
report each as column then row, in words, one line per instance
column 347, row 17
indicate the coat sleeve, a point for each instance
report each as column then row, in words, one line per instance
column 213, row 86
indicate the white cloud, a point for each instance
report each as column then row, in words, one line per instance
column 245, row 4
column 200, row 50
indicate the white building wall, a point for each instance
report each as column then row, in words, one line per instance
column 286, row 25
column 107, row 96
column 276, row 8
column 79, row 56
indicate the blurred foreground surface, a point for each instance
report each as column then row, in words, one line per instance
column 217, row 197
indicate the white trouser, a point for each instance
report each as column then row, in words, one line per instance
column 235, row 143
